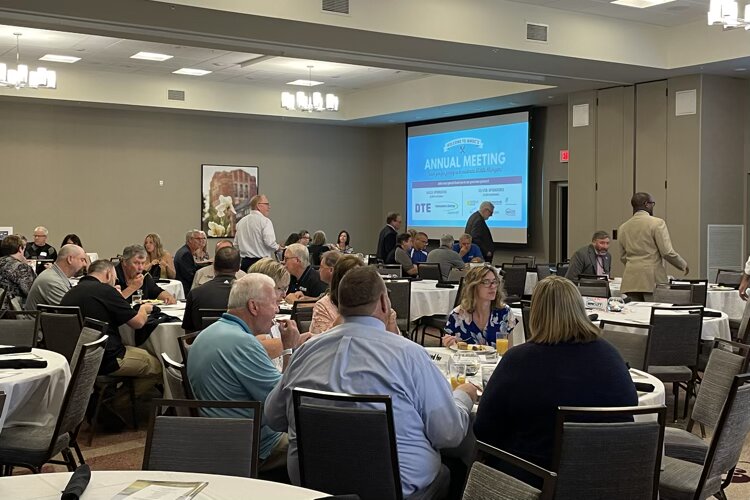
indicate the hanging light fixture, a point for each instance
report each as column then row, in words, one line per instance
column 307, row 101
column 725, row 13
column 20, row 76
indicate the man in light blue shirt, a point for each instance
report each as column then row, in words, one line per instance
column 228, row 363
column 361, row 357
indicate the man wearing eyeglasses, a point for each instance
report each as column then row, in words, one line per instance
column 254, row 235
column 184, row 263
column 305, row 281
column 644, row 246
column 477, row 227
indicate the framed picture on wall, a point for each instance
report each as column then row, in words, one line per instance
column 225, row 198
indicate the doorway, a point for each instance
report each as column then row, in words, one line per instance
column 558, row 217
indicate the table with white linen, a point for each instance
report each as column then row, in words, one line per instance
column 427, row 299
column 164, row 336
column 174, row 287
column 531, row 279
column 107, row 484
column 92, row 256
column 33, row 396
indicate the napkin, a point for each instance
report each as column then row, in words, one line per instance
column 77, row 484
column 643, row 387
column 23, row 363
column 14, row 349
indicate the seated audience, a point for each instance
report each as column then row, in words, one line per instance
column 71, row 239
column 40, row 249
column 228, row 363
column 292, row 238
column 400, row 255
column 360, row 357
column 305, row 281
column 201, row 255
column 327, row 262
column 271, row 340
column 159, row 262
column 130, row 276
column 342, row 243
column 184, row 261
column 565, row 363
column 215, row 293
column 446, row 257
column 16, row 275
column 482, row 316
column 593, row 259
column 53, row 283
column 207, row 273
column 418, row 253
column 317, row 247
column 468, row 251
column 304, row 237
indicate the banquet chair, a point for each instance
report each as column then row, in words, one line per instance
column 184, row 342
column 699, row 288
column 673, row 348
column 728, row 277
column 630, row 340
column 206, row 445
column 31, row 446
column 456, row 275
column 2, row 402
column 607, row 455
column 60, row 327
column 179, row 385
column 2, row 298
column 436, row 321
column 429, row 271
column 485, row 482
column 727, row 359
column 561, row 269
column 390, row 270
column 302, row 312
column 528, row 260
column 683, row 479
column 525, row 317
column 514, row 282
column 209, row 316
column 594, row 288
column 399, row 291
column 18, row 328
column 542, row 271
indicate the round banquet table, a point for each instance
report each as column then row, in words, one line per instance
column 33, row 396
column 174, row 287
column 107, row 484
column 426, row 299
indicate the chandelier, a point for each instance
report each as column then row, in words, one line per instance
column 306, row 101
column 20, row 76
column 725, row 13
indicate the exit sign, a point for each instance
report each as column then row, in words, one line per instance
column 564, row 156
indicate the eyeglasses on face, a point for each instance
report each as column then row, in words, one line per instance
column 489, row 283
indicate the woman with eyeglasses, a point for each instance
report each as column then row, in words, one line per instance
column 482, row 317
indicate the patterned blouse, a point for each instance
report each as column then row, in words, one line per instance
column 16, row 278
column 461, row 324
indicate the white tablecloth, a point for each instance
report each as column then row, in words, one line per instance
column 33, row 396
column 92, row 256
column 531, row 279
column 107, row 484
column 427, row 300
column 175, row 288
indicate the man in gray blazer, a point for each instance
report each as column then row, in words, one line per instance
column 477, row 227
column 591, row 259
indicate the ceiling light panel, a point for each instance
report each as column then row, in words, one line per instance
column 151, row 56
column 641, row 4
column 60, row 59
column 191, row 72
column 305, row 83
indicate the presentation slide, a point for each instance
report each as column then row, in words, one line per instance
column 452, row 167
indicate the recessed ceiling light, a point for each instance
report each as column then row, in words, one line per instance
column 191, row 72
column 640, row 4
column 305, row 83
column 151, row 56
column 62, row 59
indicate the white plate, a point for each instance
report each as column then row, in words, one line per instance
column 486, row 349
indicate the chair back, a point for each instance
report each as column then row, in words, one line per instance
column 699, row 288
column 399, row 291
column 184, row 342
column 87, row 336
column 207, row 445
column 2, row 402
column 390, row 270
column 528, row 260
column 675, row 336
column 594, row 288
column 514, row 281
column 679, row 295
column 18, row 328
column 61, row 327
column 542, row 271
column 302, row 313
column 2, row 297
column 743, row 333
column 363, row 426
column 630, row 340
column 456, row 275
column 485, row 482
column 209, row 316
column 525, row 316
column 615, row 459
column 429, row 271
column 178, row 383
column 728, row 277
column 561, row 269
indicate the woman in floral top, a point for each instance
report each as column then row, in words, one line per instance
column 16, row 275
column 482, row 315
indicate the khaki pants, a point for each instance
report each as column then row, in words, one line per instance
column 141, row 365
column 277, row 458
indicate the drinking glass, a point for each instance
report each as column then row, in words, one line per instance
column 501, row 345
column 458, row 374
column 615, row 304
column 137, row 297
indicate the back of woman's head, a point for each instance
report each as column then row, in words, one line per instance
column 558, row 315
column 345, row 264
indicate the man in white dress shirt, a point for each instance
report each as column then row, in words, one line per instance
column 745, row 280
column 254, row 236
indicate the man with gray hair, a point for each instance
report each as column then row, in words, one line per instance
column 305, row 281
column 184, row 259
column 446, row 257
column 360, row 357
column 130, row 277
column 227, row 362
column 477, row 227
column 40, row 250
column 468, row 251
column 593, row 259
column 53, row 283
column 254, row 236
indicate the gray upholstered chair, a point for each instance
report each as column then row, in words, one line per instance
column 486, row 483
column 743, row 325
column 60, row 327
column 616, row 459
column 528, row 260
column 679, row 295
column 209, row 316
column 681, row 479
column 390, row 270
column 514, row 281
column 728, row 277
column 184, row 342
column 31, row 446
column 436, row 321
column 429, row 271
column 302, row 312
column 525, row 318
column 698, row 287
column 630, row 340
column 542, row 271
column 178, row 383
column 594, row 288
column 727, row 359
column 208, row 445
column 399, row 291
column 18, row 328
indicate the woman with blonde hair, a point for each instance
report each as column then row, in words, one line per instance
column 564, row 363
column 482, row 317
column 160, row 263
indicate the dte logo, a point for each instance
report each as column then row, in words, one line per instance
column 423, row 208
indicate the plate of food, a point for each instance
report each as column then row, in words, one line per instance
column 156, row 302
column 463, row 346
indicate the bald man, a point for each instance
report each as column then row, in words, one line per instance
column 54, row 282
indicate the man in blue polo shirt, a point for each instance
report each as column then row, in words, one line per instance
column 468, row 251
column 418, row 252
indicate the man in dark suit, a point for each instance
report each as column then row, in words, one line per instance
column 213, row 294
column 387, row 238
column 476, row 226
column 591, row 259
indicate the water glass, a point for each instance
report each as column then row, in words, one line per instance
column 458, row 374
column 137, row 297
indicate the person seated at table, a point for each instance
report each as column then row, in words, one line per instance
column 327, row 262
column 360, row 357
column 39, row 248
column 184, row 262
column 305, row 281
column 304, row 237
column 482, row 315
column 317, row 247
column 400, row 255
column 325, row 311
column 228, row 363
column 201, row 255
column 159, row 262
column 16, row 275
column 130, row 276
column 418, row 253
column 292, row 238
column 446, row 257
column 97, row 298
column 342, row 242
column 564, row 363
column 54, row 282
column 207, row 273
column 71, row 239
column 593, row 259
column 215, row 293
column 468, row 251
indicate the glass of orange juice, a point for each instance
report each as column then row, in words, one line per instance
column 501, row 345
column 458, row 375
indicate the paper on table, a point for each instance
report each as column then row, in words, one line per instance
column 160, row 490
column 21, row 355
